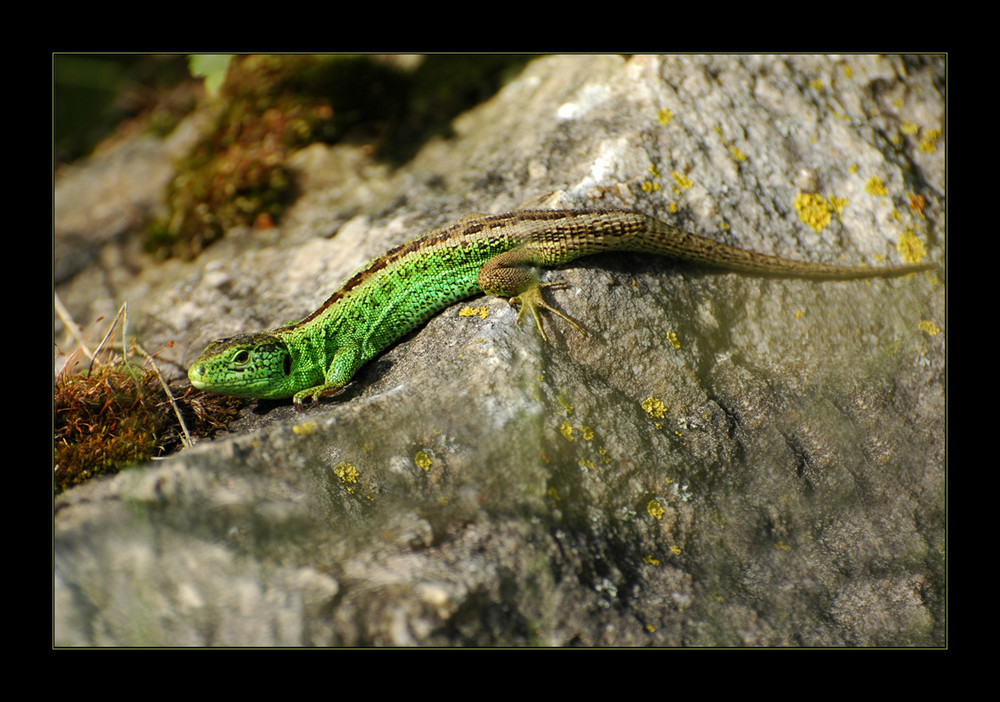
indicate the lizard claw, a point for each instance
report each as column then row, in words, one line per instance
column 532, row 300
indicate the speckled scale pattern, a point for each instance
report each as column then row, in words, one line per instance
column 399, row 291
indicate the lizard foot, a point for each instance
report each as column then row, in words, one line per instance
column 312, row 395
column 532, row 300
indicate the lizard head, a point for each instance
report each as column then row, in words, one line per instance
column 248, row 365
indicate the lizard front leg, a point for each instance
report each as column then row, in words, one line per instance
column 346, row 362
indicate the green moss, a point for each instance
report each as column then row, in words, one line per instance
column 269, row 107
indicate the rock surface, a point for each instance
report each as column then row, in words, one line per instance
column 723, row 460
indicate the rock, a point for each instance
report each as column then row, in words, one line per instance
column 722, row 460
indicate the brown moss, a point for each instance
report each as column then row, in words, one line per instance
column 269, row 106
column 118, row 415
column 105, row 421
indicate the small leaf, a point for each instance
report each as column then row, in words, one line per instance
column 211, row 67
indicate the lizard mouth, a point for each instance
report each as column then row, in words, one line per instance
column 196, row 374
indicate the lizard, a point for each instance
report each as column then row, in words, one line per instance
column 496, row 254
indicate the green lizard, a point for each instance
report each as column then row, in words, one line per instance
column 495, row 254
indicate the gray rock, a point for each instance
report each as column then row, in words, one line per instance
column 722, row 461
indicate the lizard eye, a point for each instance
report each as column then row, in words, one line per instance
column 241, row 358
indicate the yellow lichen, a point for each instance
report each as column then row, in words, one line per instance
column 346, row 472
column 482, row 311
column 563, row 400
column 422, row 460
column 566, row 430
column 928, row 143
column 654, row 407
column 655, row 509
column 910, row 248
column 813, row 210
column 875, row 186
column 929, row 327
column 682, row 181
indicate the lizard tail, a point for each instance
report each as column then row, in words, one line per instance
column 665, row 239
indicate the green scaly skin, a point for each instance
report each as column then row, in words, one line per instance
column 495, row 254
